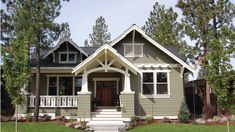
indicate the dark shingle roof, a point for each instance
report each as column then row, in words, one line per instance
column 90, row 50
column 176, row 52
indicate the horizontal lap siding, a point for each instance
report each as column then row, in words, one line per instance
column 160, row 106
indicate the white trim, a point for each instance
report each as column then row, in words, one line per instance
column 105, row 79
column 79, row 68
column 133, row 48
column 154, row 65
column 61, row 42
column 67, row 57
column 134, row 27
column 155, row 95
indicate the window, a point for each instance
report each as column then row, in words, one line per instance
column 162, row 83
column 155, row 83
column 78, row 85
column 67, row 57
column 65, row 85
column 133, row 49
column 52, row 86
column 148, row 83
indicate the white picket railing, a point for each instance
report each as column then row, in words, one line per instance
column 55, row 101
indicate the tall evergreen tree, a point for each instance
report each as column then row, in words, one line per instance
column 86, row 44
column 100, row 34
column 163, row 27
column 36, row 19
column 65, row 33
column 209, row 23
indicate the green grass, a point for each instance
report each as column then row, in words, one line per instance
column 182, row 128
column 36, row 127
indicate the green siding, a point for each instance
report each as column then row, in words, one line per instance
column 43, row 84
column 57, row 111
column 151, row 54
column 159, row 106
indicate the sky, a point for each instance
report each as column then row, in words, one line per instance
column 118, row 14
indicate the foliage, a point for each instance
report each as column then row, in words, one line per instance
column 208, row 111
column 184, row 113
column 210, row 25
column 65, row 32
column 86, row 44
column 29, row 118
column 163, row 27
column 148, row 118
column 134, row 121
column 35, row 20
column 100, row 34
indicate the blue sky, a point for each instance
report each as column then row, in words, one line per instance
column 119, row 15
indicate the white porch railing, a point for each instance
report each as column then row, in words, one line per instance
column 55, row 101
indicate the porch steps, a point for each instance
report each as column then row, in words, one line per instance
column 106, row 120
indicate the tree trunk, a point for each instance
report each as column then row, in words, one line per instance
column 37, row 91
column 16, row 114
column 208, row 96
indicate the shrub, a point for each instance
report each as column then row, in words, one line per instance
column 29, row 118
column 184, row 113
column 134, row 121
column 148, row 118
column 166, row 120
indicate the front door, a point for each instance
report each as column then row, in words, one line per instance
column 105, row 92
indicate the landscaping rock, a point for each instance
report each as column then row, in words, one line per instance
column 68, row 124
column 200, row 121
column 77, row 126
column 233, row 117
column 216, row 119
column 209, row 120
column 223, row 119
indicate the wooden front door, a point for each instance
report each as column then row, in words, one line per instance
column 105, row 91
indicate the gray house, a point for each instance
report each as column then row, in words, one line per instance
column 133, row 74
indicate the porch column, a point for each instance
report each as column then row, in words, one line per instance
column 84, row 84
column 84, row 100
column 127, row 84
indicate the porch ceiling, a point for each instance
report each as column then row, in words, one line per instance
column 107, row 59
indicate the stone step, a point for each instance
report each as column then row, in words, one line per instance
column 103, row 116
column 106, row 113
column 107, row 119
column 105, row 122
column 106, row 110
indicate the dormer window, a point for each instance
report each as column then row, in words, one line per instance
column 67, row 57
column 133, row 49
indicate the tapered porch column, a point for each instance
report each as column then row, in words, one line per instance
column 84, row 83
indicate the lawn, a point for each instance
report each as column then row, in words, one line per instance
column 36, row 127
column 182, row 128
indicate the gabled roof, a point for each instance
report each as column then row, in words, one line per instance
column 136, row 28
column 61, row 42
column 120, row 58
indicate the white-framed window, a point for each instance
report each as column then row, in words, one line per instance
column 67, row 57
column 133, row 49
column 155, row 84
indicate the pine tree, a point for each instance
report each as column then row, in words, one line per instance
column 184, row 113
column 100, row 34
column 65, row 31
column 163, row 27
column 36, row 22
column 209, row 23
column 86, row 44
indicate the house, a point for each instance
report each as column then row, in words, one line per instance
column 133, row 73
